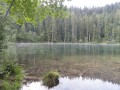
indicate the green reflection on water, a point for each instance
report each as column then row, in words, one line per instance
column 81, row 52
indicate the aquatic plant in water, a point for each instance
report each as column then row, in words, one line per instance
column 51, row 79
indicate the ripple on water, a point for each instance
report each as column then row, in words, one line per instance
column 75, row 84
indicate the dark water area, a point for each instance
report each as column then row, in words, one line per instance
column 98, row 61
column 75, row 84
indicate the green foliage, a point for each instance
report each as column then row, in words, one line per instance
column 51, row 79
column 8, row 85
column 26, row 37
column 32, row 10
column 9, row 69
column 3, row 44
column 22, row 11
column 11, row 75
column 2, row 36
column 95, row 25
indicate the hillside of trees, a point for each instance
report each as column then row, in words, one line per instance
column 101, row 24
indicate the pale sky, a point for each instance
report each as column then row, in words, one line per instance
column 90, row 3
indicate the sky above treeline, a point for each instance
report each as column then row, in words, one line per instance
column 89, row 3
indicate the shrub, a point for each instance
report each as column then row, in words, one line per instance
column 11, row 76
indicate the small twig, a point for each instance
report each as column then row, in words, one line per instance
column 83, row 73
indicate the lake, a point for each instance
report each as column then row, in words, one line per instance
column 74, row 84
column 96, row 61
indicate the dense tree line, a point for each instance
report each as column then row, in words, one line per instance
column 101, row 24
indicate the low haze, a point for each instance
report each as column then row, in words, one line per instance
column 90, row 3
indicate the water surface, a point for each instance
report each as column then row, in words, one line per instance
column 101, row 61
column 75, row 84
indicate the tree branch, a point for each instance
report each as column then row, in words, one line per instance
column 7, row 12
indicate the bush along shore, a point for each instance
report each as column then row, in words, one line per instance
column 11, row 76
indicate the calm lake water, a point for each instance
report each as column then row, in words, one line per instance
column 27, row 52
column 75, row 84
column 98, row 61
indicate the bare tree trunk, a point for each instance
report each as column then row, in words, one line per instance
column 74, row 39
column 65, row 31
column 53, row 29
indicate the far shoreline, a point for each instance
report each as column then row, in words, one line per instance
column 49, row 43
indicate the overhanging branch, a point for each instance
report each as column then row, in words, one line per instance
column 7, row 12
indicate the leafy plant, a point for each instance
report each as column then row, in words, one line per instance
column 11, row 75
